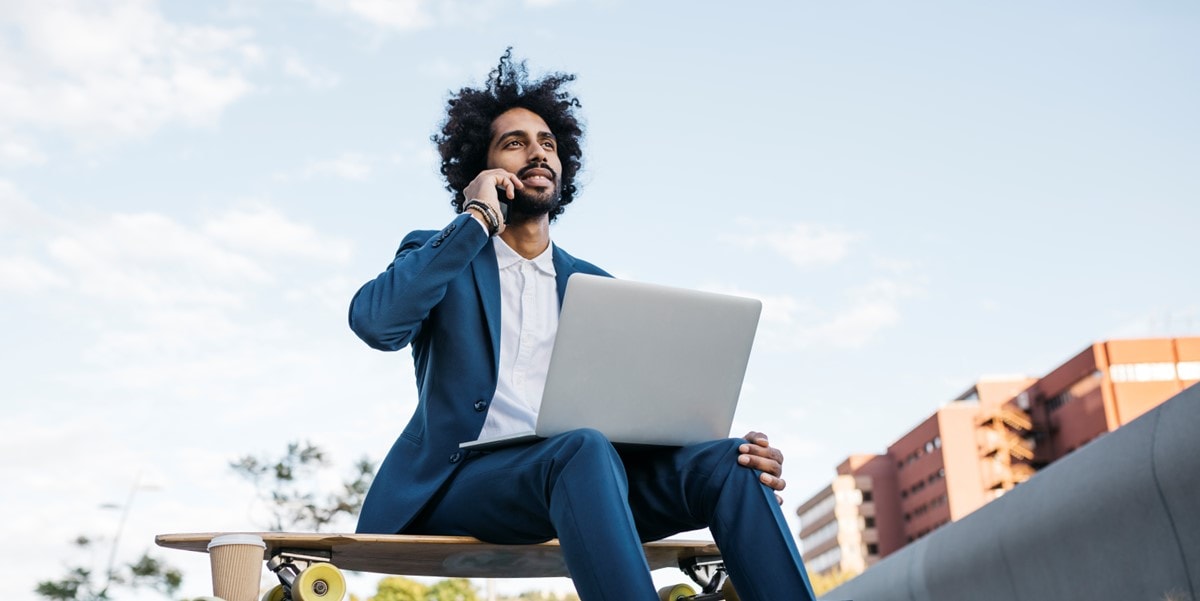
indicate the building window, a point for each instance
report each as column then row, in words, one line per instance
column 1189, row 370
column 866, row 496
column 1055, row 403
column 1077, row 390
column 819, row 511
column 1023, row 401
column 872, row 549
column 825, row 560
column 1142, row 372
column 825, row 533
column 850, row 497
column 870, row 522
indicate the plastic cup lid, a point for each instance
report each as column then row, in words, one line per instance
column 237, row 539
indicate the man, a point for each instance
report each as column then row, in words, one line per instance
column 478, row 301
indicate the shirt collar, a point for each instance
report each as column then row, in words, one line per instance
column 507, row 257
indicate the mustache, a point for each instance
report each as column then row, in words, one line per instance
column 544, row 166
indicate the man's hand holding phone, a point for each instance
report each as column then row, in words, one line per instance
column 487, row 188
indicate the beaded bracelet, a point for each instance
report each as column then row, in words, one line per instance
column 492, row 217
column 482, row 216
column 488, row 213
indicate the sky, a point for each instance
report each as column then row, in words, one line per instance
column 922, row 194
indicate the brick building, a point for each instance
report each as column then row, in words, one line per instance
column 987, row 440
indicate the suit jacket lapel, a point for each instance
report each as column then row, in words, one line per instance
column 564, row 266
column 487, row 281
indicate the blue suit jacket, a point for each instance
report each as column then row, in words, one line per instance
column 441, row 294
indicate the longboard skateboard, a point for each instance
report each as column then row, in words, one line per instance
column 308, row 565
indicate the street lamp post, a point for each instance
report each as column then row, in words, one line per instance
column 112, row 553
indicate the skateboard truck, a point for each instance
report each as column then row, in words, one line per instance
column 707, row 571
column 305, row 574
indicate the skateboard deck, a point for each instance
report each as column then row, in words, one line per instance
column 441, row 556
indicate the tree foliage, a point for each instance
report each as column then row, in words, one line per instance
column 288, row 487
column 397, row 588
column 824, row 582
column 542, row 596
column 453, row 589
column 84, row 584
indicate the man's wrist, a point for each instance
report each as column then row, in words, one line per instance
column 490, row 218
column 479, row 216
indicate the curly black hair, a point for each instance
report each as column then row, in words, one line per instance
column 467, row 131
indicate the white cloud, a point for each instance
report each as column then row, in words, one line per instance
column 333, row 292
column 395, row 15
column 1159, row 321
column 443, row 69
column 411, row 154
column 868, row 310
column 313, row 76
column 266, row 231
column 27, row 275
column 17, row 213
column 789, row 322
column 849, row 319
column 18, row 153
column 351, row 166
column 152, row 259
column 171, row 305
column 104, row 68
column 156, row 261
column 856, row 325
column 405, row 16
column 782, row 310
column 803, row 244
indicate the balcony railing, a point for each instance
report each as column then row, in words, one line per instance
column 1010, row 416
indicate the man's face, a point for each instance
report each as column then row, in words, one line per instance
column 523, row 144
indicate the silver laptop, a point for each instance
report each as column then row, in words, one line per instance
column 643, row 364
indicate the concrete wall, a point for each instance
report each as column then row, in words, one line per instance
column 1118, row 519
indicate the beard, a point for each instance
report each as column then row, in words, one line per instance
column 527, row 204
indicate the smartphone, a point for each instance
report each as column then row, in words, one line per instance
column 504, row 208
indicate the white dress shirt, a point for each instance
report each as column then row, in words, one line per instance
column 528, row 323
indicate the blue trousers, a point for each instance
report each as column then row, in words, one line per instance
column 602, row 502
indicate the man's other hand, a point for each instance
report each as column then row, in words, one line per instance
column 758, row 454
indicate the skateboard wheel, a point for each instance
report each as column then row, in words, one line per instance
column 676, row 593
column 275, row 594
column 319, row 582
column 728, row 593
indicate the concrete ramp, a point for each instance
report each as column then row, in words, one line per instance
column 1117, row 520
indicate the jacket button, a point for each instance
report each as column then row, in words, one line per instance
column 456, row 457
column 480, row 405
column 437, row 243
